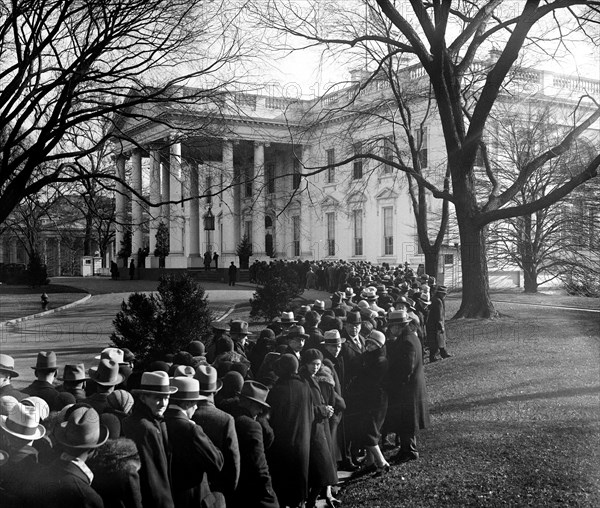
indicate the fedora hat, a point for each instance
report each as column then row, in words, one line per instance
column 74, row 372
column 239, row 327
column 377, row 337
column 319, row 305
column 187, row 389
column 112, row 353
column 406, row 301
column 349, row 293
column 287, row 318
column 23, row 421
column 353, row 318
column 40, row 405
column 255, row 391
column 106, row 373
column 155, row 383
column 46, row 361
column 183, row 370
column 296, row 332
column 196, row 348
column 207, row 377
column 399, row 316
column 82, row 430
column 332, row 337
column 7, row 364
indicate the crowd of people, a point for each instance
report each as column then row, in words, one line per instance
column 240, row 419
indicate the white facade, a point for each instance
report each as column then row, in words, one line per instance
column 250, row 159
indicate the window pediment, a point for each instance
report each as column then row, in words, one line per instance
column 386, row 194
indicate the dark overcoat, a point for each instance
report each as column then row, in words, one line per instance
column 219, row 426
column 14, row 475
column 149, row 433
column 436, row 323
column 291, row 418
column 116, row 466
column 254, row 488
column 322, row 470
column 59, row 485
column 408, row 407
column 369, row 398
column 331, row 390
column 12, row 391
column 46, row 391
column 194, row 455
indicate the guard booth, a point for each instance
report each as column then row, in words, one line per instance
column 90, row 265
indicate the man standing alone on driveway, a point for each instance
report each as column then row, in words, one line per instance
column 232, row 274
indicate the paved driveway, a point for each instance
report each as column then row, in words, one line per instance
column 79, row 333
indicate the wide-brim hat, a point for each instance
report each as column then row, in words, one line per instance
column 74, row 372
column 239, row 327
column 106, row 373
column 255, row 391
column 112, row 353
column 332, row 337
column 46, row 361
column 318, row 305
column 7, row 364
column 187, row 389
column 295, row 332
column 353, row 318
column 206, row 375
column 156, row 383
column 23, row 422
column 349, row 293
column 287, row 318
column 399, row 316
column 82, row 430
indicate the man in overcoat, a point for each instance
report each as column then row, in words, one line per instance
column 408, row 409
column 254, row 488
column 436, row 325
column 45, row 372
column 219, row 426
column 291, row 420
column 147, row 429
column 7, row 372
column 194, row 454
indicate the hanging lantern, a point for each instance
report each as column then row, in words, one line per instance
column 209, row 220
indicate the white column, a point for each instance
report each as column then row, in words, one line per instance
column 231, row 208
column 165, row 187
column 59, row 256
column 176, row 257
column 194, row 206
column 120, row 203
column 305, row 218
column 259, row 197
column 137, row 238
column 154, row 211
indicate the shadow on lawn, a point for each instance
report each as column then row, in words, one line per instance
column 568, row 392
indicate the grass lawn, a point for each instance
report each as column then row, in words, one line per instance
column 19, row 301
column 515, row 416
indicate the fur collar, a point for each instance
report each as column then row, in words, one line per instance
column 325, row 375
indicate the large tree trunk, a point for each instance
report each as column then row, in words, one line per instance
column 476, row 302
column 530, row 275
column 432, row 257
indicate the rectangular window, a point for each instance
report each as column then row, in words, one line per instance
column 248, row 230
column 270, row 168
column 388, row 231
column 296, row 233
column 330, row 168
column 357, row 168
column 358, row 232
column 388, row 154
column 422, row 146
column 448, row 259
column 331, row 234
column 296, row 177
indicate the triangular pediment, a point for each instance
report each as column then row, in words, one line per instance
column 357, row 197
column 330, row 202
column 387, row 194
